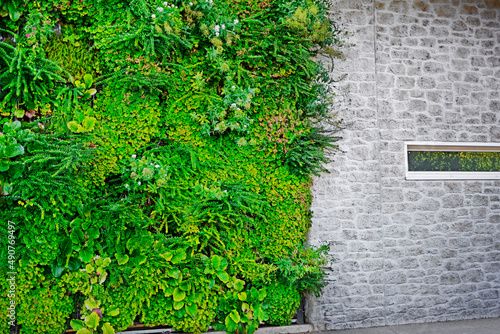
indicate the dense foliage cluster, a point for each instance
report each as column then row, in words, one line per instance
column 156, row 161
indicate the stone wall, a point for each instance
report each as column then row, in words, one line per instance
column 411, row 251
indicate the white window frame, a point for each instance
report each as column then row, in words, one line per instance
column 450, row 147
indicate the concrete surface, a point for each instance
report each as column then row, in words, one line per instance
column 479, row 326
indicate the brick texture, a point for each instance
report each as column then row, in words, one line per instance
column 411, row 251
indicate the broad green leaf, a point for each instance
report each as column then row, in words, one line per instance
column 239, row 285
column 12, row 151
column 242, row 296
column 106, row 262
column 262, row 294
column 179, row 256
column 231, row 326
column 93, row 233
column 258, row 313
column 83, row 331
column 91, row 91
column 179, row 295
column 16, row 125
column 87, row 222
column 74, row 264
column 169, row 291
column 86, row 254
column 77, row 235
column 92, row 320
column 223, row 264
column 223, row 276
column 192, row 310
column 77, row 324
column 167, row 256
column 178, row 305
column 185, row 286
column 19, row 113
column 89, row 123
column 141, row 259
column 73, row 126
column 113, row 311
column 235, row 316
column 245, row 307
column 76, row 223
column 4, row 166
column 103, row 277
column 107, row 329
column 56, row 269
column 252, row 326
column 216, row 261
column 174, row 272
column 121, row 259
column 244, row 318
column 91, row 303
column 87, row 78
column 66, row 247
column 218, row 326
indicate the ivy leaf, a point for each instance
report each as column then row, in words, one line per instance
column 179, row 295
column 77, row 324
column 92, row 320
column 107, row 329
column 223, row 276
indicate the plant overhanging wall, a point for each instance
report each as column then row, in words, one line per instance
column 156, row 162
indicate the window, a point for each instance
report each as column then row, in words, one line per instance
column 452, row 161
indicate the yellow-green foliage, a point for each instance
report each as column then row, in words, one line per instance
column 192, row 172
column 43, row 303
column 125, row 122
column 73, row 56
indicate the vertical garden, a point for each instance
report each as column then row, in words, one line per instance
column 156, row 161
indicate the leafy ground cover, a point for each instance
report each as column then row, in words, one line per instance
column 156, row 161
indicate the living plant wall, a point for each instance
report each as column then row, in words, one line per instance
column 156, row 162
